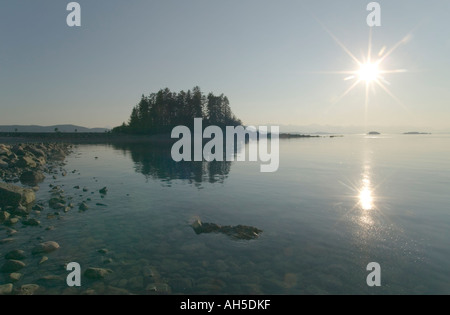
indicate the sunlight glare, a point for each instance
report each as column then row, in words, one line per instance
column 368, row 72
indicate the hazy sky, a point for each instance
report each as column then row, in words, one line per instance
column 271, row 58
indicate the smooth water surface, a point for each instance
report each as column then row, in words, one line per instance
column 334, row 206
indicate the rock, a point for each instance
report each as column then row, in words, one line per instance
column 103, row 251
column 36, row 152
column 83, row 206
column 16, row 254
column 3, row 164
column 109, row 290
column 158, row 288
column 15, row 276
column 57, row 203
column 76, row 187
column 46, row 247
column 239, row 232
column 85, row 189
column 6, row 240
column 51, row 279
column 26, row 161
column 50, row 228
column 12, row 221
column 38, row 208
column 107, row 261
column 6, row 289
column 4, row 216
column 28, row 289
column 32, row 178
column 11, row 195
column 101, row 204
column 43, row 260
column 21, row 211
column 31, row 222
column 103, row 191
column 12, row 266
column 96, row 273
column 10, row 231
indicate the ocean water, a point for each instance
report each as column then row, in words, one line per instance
column 333, row 206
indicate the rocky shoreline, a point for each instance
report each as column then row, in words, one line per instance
column 22, row 168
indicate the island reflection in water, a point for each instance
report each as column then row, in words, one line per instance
column 155, row 162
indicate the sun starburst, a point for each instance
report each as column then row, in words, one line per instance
column 369, row 71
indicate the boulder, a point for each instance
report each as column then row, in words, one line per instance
column 11, row 195
column 26, row 161
column 32, row 178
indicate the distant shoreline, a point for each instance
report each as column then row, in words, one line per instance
column 102, row 138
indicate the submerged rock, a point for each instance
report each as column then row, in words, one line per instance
column 31, row 222
column 16, row 254
column 46, row 247
column 83, row 206
column 12, row 266
column 28, row 289
column 15, row 276
column 96, row 273
column 241, row 232
column 6, row 289
column 103, row 191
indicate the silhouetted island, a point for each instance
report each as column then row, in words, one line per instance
column 416, row 133
column 373, row 133
column 160, row 112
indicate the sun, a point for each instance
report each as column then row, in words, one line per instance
column 369, row 72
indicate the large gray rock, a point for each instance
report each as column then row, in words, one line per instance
column 11, row 195
column 32, row 178
column 12, row 266
column 46, row 247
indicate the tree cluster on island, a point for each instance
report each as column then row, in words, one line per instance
column 160, row 112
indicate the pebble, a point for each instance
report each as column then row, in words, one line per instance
column 43, row 260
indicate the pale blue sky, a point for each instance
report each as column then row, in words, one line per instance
column 268, row 57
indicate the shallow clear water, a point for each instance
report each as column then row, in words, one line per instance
column 334, row 206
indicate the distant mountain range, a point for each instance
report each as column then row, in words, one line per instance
column 59, row 128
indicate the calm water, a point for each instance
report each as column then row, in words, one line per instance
column 335, row 205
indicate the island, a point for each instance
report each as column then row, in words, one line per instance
column 373, row 133
column 416, row 133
